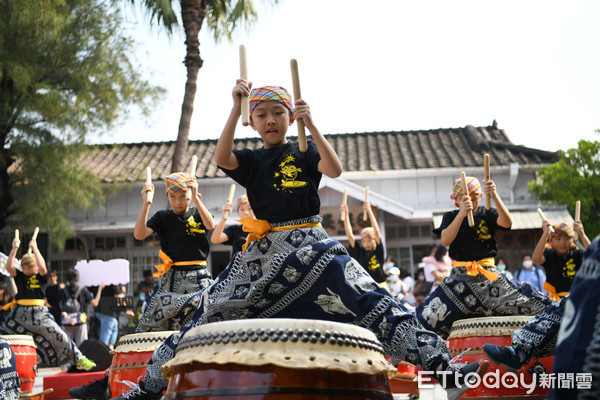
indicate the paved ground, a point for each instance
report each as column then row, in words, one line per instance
column 431, row 394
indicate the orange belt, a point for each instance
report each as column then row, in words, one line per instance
column 552, row 292
column 477, row 267
column 24, row 302
column 258, row 229
column 168, row 263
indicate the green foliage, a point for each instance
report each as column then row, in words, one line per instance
column 65, row 75
column 575, row 176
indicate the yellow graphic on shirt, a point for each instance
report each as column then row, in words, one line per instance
column 569, row 269
column 288, row 174
column 373, row 264
column 483, row 232
column 194, row 227
column 33, row 283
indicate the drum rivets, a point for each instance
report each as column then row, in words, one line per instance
column 299, row 332
column 203, row 342
column 314, row 339
column 225, row 339
column 253, row 338
column 332, row 340
column 294, row 338
column 264, row 338
column 274, row 337
column 327, row 334
column 235, row 339
column 241, row 332
column 284, row 337
column 347, row 342
column 210, row 341
column 309, row 332
column 244, row 338
column 322, row 339
column 260, row 331
column 250, row 332
column 279, row 331
column 270, row 331
column 340, row 342
column 305, row 339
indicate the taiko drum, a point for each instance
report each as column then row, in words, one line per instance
column 131, row 357
column 471, row 334
column 24, row 348
column 276, row 359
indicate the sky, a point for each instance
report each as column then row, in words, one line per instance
column 393, row 65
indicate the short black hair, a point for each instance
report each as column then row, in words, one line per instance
column 72, row 275
column 147, row 273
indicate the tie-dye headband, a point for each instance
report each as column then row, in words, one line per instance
column 28, row 260
column 270, row 93
column 176, row 182
column 472, row 184
column 368, row 233
column 562, row 229
column 242, row 200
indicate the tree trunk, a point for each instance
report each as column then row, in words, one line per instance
column 193, row 13
column 6, row 198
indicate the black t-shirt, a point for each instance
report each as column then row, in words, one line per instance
column 476, row 243
column 281, row 182
column 52, row 297
column 371, row 261
column 84, row 298
column 107, row 301
column 560, row 270
column 182, row 237
column 31, row 287
column 236, row 237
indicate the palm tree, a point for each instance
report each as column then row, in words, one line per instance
column 222, row 19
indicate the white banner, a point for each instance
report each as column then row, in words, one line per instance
column 96, row 272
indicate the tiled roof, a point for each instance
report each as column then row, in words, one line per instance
column 381, row 151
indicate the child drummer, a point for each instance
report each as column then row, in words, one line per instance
column 474, row 289
column 233, row 235
column 291, row 268
column 30, row 316
column 559, row 256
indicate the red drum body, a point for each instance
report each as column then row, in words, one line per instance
column 498, row 383
column 131, row 357
column 279, row 359
column 406, row 380
column 24, row 348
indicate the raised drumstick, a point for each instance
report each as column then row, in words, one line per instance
column 577, row 217
column 230, row 198
column 34, row 237
column 543, row 217
column 244, row 76
column 486, row 168
column 366, row 199
column 463, row 178
column 149, row 193
column 16, row 233
column 344, row 201
column 188, row 193
column 298, row 95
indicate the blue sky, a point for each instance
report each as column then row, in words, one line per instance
column 395, row 65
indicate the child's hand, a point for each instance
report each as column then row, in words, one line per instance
column 465, row 205
column 366, row 206
column 147, row 187
column 241, row 88
column 192, row 184
column 227, row 208
column 344, row 208
column 33, row 244
column 302, row 111
column 16, row 243
column 578, row 227
column 489, row 187
column 546, row 227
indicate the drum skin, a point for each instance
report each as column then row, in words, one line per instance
column 473, row 333
column 279, row 359
column 131, row 357
column 24, row 348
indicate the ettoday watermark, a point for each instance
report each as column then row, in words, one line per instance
column 507, row 380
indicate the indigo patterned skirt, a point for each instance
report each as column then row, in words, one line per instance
column 462, row 296
column 53, row 344
column 577, row 357
column 302, row 273
column 173, row 299
column 10, row 386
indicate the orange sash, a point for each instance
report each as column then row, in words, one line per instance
column 168, row 263
column 552, row 292
column 24, row 302
column 477, row 267
column 258, row 229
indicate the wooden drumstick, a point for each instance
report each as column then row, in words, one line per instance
column 298, row 95
column 543, row 217
column 486, row 168
column 463, row 178
column 149, row 193
column 577, row 218
column 16, row 233
column 366, row 199
column 34, row 237
column 344, row 201
column 230, row 198
column 244, row 76
column 188, row 193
